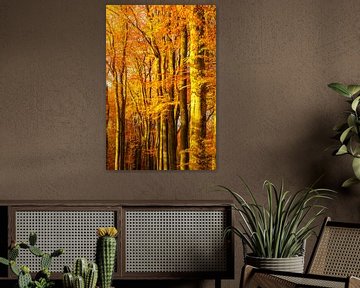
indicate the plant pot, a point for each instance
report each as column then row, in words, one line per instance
column 291, row 264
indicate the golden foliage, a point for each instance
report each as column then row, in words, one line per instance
column 147, row 75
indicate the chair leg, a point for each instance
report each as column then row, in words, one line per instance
column 246, row 273
column 217, row 283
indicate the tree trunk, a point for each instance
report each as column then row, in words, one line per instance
column 184, row 118
column 198, row 91
column 122, row 122
column 171, row 115
column 123, row 79
column 108, row 164
column 117, row 121
column 164, row 137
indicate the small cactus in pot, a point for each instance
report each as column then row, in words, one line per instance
column 106, row 254
column 85, row 275
column 42, row 278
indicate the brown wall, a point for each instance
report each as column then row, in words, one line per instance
column 275, row 113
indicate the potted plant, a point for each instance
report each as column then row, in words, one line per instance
column 348, row 132
column 42, row 278
column 276, row 233
column 84, row 274
column 106, row 254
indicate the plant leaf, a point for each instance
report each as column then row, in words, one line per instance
column 356, row 167
column 345, row 134
column 342, row 150
column 353, row 89
column 355, row 103
column 351, row 120
column 354, row 145
column 279, row 228
column 340, row 127
column 340, row 88
column 14, row 268
column 349, row 182
column 4, row 261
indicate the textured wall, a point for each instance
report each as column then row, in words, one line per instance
column 275, row 113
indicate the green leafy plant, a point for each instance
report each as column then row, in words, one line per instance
column 43, row 283
column 42, row 278
column 279, row 229
column 348, row 132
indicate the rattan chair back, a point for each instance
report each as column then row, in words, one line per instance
column 337, row 252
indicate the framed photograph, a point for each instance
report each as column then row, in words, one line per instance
column 161, row 87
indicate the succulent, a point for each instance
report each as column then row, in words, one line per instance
column 36, row 251
column 32, row 239
column 42, row 283
column 42, row 278
column 106, row 254
column 4, row 261
column 81, row 267
column 13, row 253
column 68, row 279
column 79, row 282
column 45, row 261
column 85, row 275
column 24, row 278
column 91, row 276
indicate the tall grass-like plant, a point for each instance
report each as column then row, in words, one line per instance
column 279, row 229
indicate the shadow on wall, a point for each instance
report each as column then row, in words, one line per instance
column 335, row 170
column 307, row 154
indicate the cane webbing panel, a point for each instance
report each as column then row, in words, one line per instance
column 75, row 231
column 174, row 241
column 313, row 282
column 261, row 280
column 338, row 252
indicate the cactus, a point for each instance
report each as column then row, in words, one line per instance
column 68, row 280
column 24, row 245
column 4, row 261
column 79, row 282
column 13, row 253
column 45, row 261
column 42, row 278
column 91, row 276
column 57, row 252
column 80, row 268
column 67, row 269
column 87, row 272
column 36, row 251
column 32, row 238
column 106, row 254
column 24, row 280
column 14, row 268
column 43, row 274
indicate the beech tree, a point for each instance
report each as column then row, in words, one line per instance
column 161, row 87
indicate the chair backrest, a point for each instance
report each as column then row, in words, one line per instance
column 337, row 251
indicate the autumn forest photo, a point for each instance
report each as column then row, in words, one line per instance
column 161, row 87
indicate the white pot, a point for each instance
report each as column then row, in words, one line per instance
column 291, row 264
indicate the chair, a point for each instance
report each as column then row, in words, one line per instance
column 335, row 262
